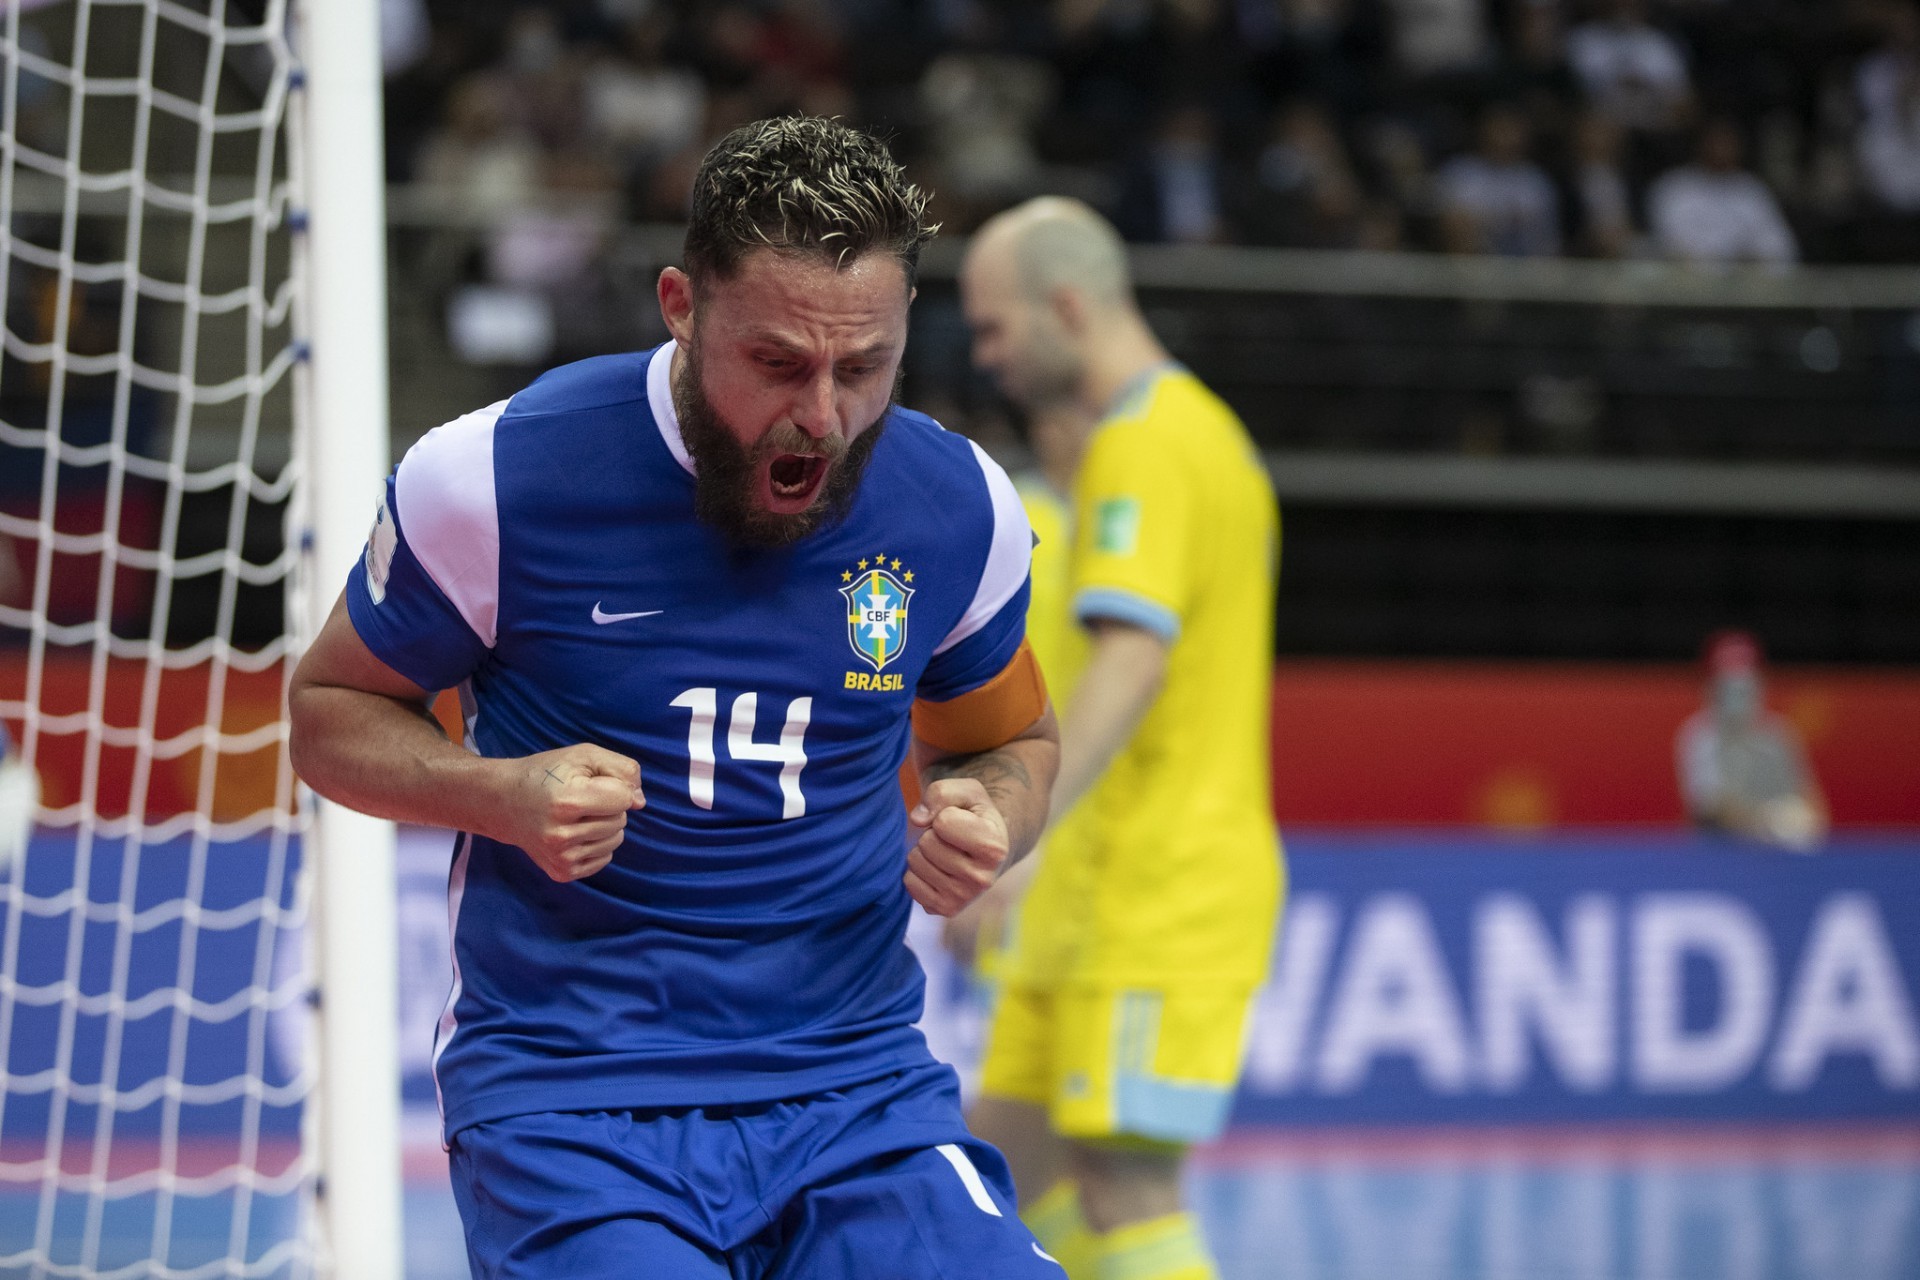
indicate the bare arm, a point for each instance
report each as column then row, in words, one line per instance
column 1116, row 689
column 363, row 735
column 1017, row 776
column 978, row 813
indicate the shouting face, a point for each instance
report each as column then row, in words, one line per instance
column 785, row 372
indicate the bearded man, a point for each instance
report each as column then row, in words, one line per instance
column 680, row 1040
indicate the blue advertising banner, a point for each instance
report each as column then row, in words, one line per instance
column 1418, row 979
column 1471, row 980
column 1422, row 978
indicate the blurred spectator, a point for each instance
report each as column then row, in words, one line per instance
column 1889, row 154
column 404, row 34
column 1393, row 154
column 1713, row 211
column 1438, row 37
column 551, row 243
column 1741, row 768
column 980, row 113
column 1884, row 80
column 642, row 106
column 1497, row 200
column 1630, row 69
column 482, row 158
column 1534, row 74
column 1602, row 205
column 1301, row 190
column 1888, row 86
column 1078, row 17
column 1174, row 191
column 1177, row 115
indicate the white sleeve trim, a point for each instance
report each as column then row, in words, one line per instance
column 1009, row 559
column 449, row 517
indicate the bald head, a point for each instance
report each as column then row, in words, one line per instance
column 1047, row 294
column 1054, row 242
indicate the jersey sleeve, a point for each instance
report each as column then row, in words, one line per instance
column 1133, row 523
column 989, row 633
column 424, row 596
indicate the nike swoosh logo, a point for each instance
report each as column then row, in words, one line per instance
column 1043, row 1253
column 603, row 618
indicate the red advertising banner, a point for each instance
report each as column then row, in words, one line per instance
column 1401, row 743
column 1373, row 743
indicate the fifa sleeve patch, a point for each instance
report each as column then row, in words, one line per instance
column 1116, row 526
column 380, row 546
column 995, row 713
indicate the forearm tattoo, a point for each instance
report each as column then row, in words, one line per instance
column 1000, row 771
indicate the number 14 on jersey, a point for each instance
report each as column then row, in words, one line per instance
column 789, row 751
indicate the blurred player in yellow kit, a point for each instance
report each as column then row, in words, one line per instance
column 1143, row 929
column 1057, row 433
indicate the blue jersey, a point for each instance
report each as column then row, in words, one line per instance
column 747, row 941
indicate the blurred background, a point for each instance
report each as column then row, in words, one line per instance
column 1575, row 334
column 1510, row 292
column 1582, row 339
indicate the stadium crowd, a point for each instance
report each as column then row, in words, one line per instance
column 1701, row 130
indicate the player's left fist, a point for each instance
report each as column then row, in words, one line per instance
column 962, row 845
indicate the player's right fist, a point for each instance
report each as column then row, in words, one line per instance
column 569, row 808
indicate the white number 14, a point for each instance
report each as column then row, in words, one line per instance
column 790, row 750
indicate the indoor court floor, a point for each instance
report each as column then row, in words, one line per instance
column 1719, row 1205
column 1454, row 1206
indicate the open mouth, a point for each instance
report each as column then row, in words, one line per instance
column 794, row 477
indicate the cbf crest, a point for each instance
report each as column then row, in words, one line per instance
column 877, row 593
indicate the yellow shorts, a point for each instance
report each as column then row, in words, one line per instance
column 1106, row 1062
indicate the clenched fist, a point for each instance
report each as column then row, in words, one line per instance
column 568, row 808
column 962, row 845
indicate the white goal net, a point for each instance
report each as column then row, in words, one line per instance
column 156, row 1080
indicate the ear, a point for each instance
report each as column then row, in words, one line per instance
column 1069, row 307
column 676, row 304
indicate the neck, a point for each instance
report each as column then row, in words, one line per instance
column 1056, row 468
column 1119, row 353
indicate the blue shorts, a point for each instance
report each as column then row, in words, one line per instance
column 879, row 1181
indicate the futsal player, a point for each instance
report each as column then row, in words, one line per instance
column 1056, row 432
column 1122, row 1005
column 700, row 602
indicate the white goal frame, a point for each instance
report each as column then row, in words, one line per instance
column 355, row 1117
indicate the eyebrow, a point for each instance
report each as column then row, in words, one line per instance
column 872, row 351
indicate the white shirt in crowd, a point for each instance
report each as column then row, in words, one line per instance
column 1432, row 36
column 1698, row 215
column 1889, row 153
column 1881, row 82
column 1514, row 206
column 1635, row 74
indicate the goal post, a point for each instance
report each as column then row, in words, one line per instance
column 352, row 855
column 199, row 1073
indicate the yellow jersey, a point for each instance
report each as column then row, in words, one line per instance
column 1058, row 642
column 1169, row 869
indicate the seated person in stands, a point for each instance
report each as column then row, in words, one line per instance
column 1632, row 71
column 1715, row 212
column 1741, row 768
column 1497, row 200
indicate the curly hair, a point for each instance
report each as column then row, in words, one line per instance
column 802, row 184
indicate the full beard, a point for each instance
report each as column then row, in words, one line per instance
column 726, row 472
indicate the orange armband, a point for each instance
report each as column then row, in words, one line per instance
column 994, row 713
